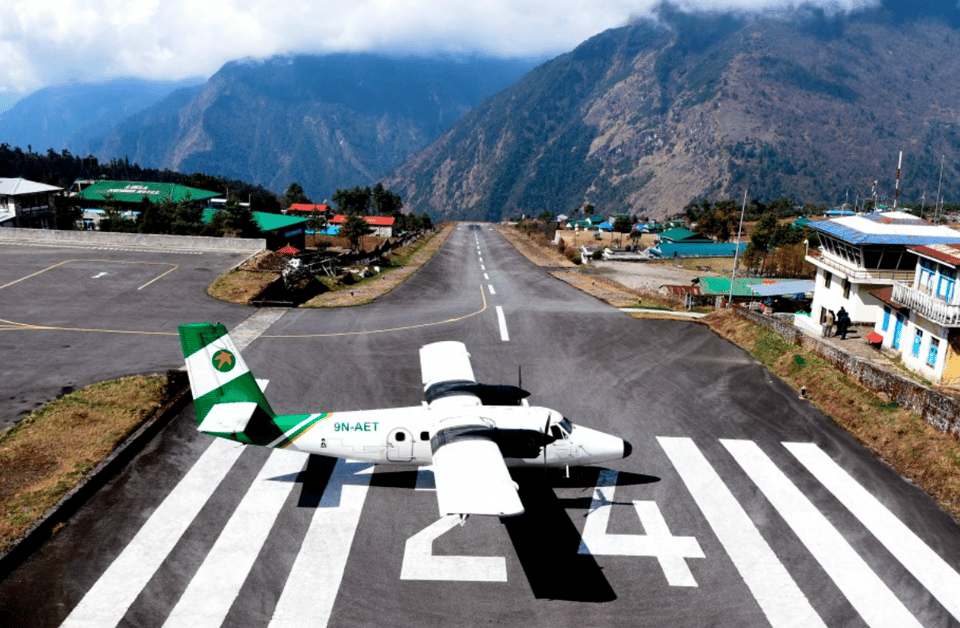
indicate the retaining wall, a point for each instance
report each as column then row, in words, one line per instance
column 133, row 240
column 940, row 410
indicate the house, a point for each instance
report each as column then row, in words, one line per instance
column 306, row 209
column 382, row 225
column 920, row 319
column 128, row 195
column 589, row 224
column 279, row 230
column 862, row 254
column 677, row 235
column 696, row 249
column 25, row 203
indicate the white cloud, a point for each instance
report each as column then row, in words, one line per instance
column 50, row 41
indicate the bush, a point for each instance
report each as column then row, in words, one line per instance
column 573, row 255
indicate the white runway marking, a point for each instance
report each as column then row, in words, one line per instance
column 877, row 605
column 657, row 542
column 111, row 596
column 419, row 563
column 99, row 275
column 482, row 267
column 925, row 565
column 217, row 583
column 314, row 580
column 490, row 287
column 778, row 595
column 504, row 335
column 486, row 276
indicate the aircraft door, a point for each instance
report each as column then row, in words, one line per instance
column 400, row 445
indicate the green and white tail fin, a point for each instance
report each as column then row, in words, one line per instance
column 228, row 401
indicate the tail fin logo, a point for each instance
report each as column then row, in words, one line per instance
column 224, row 361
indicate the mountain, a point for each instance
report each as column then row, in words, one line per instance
column 72, row 116
column 651, row 116
column 326, row 122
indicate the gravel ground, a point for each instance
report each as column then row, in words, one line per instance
column 645, row 275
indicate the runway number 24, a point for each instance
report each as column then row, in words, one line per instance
column 671, row 552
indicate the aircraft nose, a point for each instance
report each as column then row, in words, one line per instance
column 627, row 448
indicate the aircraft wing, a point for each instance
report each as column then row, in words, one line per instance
column 448, row 380
column 469, row 471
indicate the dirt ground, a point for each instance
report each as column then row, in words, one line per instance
column 646, row 275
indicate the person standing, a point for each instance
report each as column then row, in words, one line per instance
column 828, row 325
column 843, row 323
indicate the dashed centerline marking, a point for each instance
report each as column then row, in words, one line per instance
column 504, row 335
column 492, row 291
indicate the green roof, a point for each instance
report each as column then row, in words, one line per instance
column 680, row 234
column 266, row 221
column 134, row 191
column 714, row 286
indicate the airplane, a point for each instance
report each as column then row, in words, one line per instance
column 468, row 433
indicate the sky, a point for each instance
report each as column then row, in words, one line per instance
column 51, row 42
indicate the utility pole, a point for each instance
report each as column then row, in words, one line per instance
column 736, row 252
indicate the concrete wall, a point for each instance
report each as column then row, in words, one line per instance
column 100, row 238
column 940, row 410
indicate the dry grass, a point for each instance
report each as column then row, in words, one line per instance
column 46, row 454
column 409, row 258
column 920, row 452
column 541, row 253
column 240, row 286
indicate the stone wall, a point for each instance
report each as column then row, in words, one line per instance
column 134, row 240
column 940, row 410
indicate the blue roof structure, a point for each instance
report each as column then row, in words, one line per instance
column 893, row 228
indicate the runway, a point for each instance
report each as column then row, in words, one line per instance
column 741, row 504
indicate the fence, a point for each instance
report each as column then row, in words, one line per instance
column 938, row 409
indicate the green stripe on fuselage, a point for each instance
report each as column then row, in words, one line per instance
column 292, row 421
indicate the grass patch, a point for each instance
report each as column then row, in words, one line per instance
column 916, row 449
column 240, row 286
column 46, row 454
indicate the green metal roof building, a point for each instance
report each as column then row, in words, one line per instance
column 279, row 230
column 136, row 191
column 720, row 286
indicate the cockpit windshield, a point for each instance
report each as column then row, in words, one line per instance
column 566, row 425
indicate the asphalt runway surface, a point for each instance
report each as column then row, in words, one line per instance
column 741, row 504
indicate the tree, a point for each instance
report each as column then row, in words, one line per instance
column 355, row 201
column 66, row 212
column 294, row 194
column 317, row 221
column 385, row 202
column 353, row 228
column 240, row 220
column 588, row 209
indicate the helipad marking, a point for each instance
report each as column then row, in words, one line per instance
column 875, row 602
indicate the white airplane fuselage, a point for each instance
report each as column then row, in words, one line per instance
column 403, row 436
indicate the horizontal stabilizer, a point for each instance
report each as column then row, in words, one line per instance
column 228, row 418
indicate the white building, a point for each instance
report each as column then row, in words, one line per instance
column 26, row 203
column 859, row 255
column 920, row 319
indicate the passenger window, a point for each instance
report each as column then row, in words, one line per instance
column 400, row 437
column 424, row 435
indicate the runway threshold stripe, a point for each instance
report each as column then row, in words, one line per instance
column 217, row 583
column 311, row 589
column 778, row 595
column 504, row 334
column 877, row 605
column 110, row 597
column 925, row 565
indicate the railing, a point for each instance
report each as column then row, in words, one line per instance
column 855, row 273
column 926, row 305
